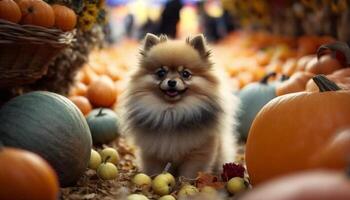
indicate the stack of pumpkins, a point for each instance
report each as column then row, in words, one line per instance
column 255, row 95
column 39, row 13
column 302, row 123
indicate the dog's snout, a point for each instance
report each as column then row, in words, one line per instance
column 172, row 83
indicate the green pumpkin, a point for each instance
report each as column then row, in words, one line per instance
column 253, row 97
column 103, row 124
column 51, row 126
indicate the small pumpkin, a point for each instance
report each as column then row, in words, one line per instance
column 341, row 53
column 303, row 61
column 89, row 75
column 324, row 65
column 253, row 97
column 289, row 67
column 78, row 89
column 51, row 126
column 104, row 125
column 102, row 92
column 292, row 129
column 296, row 83
column 313, row 185
column 340, row 77
column 82, row 103
column 26, row 176
column 37, row 12
column 65, row 18
column 10, row 11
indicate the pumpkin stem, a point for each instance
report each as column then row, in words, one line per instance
column 167, row 167
column 100, row 112
column 266, row 78
column 284, row 77
column 324, row 84
column 334, row 48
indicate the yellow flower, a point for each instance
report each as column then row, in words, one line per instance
column 91, row 10
column 86, row 22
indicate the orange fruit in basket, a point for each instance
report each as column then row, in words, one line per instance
column 65, row 18
column 10, row 11
column 102, row 92
column 37, row 12
column 82, row 103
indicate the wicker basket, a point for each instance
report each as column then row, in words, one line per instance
column 26, row 51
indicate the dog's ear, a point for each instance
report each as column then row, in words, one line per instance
column 149, row 41
column 198, row 43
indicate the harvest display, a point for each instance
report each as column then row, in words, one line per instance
column 64, row 130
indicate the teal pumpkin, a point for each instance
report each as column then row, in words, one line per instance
column 51, row 126
column 253, row 97
column 103, row 124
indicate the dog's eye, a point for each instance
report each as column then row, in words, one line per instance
column 161, row 73
column 186, row 74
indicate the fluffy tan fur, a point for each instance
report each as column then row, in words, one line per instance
column 193, row 131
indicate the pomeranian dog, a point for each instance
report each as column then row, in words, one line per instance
column 178, row 108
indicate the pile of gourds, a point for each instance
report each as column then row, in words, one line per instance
column 305, row 127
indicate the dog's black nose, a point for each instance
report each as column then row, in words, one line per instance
column 171, row 83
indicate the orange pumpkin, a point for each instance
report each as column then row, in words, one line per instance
column 37, row 12
column 82, row 103
column 289, row 131
column 102, row 92
column 338, row 148
column 313, row 185
column 296, row 83
column 78, row 89
column 10, row 11
column 89, row 75
column 65, row 18
column 26, row 176
column 340, row 77
column 325, row 65
column 302, row 62
column 289, row 67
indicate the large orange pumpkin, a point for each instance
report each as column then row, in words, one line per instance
column 335, row 151
column 26, row 176
column 37, row 12
column 10, row 11
column 314, row 185
column 65, row 18
column 289, row 131
column 102, row 92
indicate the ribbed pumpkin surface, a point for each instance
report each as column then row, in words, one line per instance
column 51, row 126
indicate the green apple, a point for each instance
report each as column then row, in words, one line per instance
column 142, row 180
column 110, row 155
column 235, row 185
column 188, row 190
column 209, row 190
column 163, row 183
column 137, row 197
column 95, row 160
column 107, row 171
column 167, row 197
